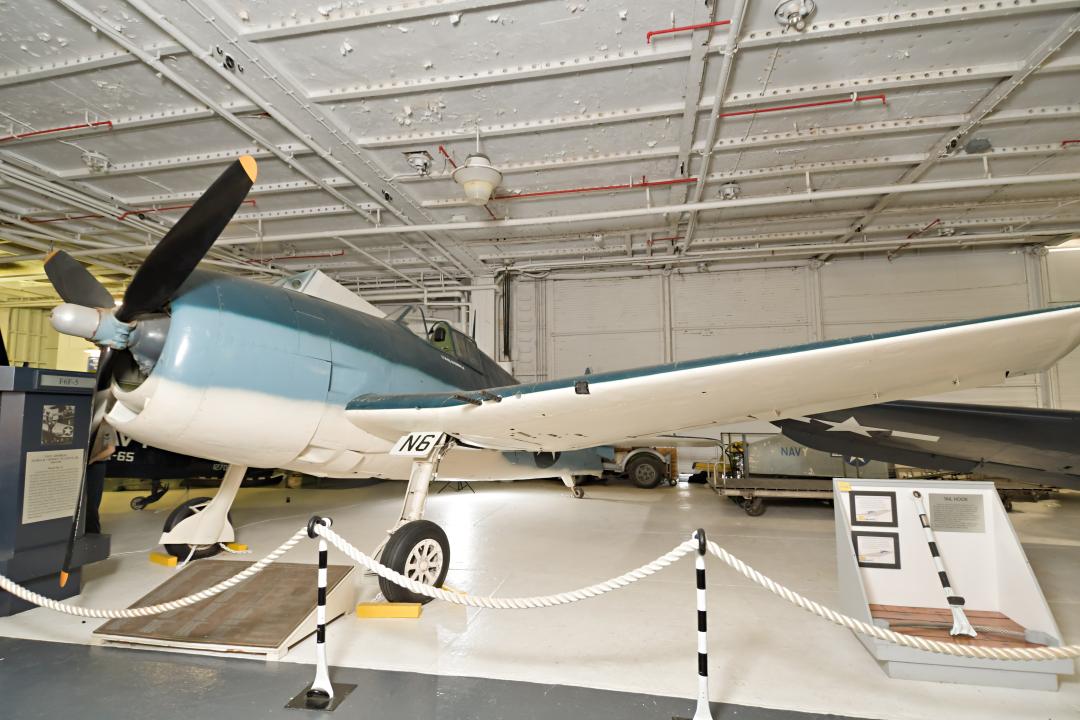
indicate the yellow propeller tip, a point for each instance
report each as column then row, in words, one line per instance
column 63, row 578
column 250, row 166
column 51, row 255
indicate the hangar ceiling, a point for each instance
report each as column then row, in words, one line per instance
column 884, row 127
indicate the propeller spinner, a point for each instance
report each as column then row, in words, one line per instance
column 89, row 310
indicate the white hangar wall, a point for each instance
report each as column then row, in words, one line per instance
column 1063, row 288
column 561, row 325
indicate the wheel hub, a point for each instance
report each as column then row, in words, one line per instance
column 424, row 562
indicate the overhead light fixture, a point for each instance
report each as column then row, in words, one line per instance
column 730, row 191
column 478, row 178
column 419, row 160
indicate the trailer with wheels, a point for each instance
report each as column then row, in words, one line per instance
column 753, row 469
column 646, row 467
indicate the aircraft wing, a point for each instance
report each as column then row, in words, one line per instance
column 600, row 409
column 1028, row 444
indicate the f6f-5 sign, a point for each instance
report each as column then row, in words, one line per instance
column 417, row 444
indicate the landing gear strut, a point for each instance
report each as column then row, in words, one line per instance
column 571, row 483
column 198, row 527
column 417, row 548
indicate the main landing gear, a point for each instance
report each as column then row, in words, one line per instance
column 417, row 548
column 197, row 528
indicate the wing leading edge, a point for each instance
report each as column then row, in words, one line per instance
column 586, row 411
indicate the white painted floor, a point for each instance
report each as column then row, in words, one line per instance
column 532, row 538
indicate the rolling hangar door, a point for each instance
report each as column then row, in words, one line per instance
column 560, row 326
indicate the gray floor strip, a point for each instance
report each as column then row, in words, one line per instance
column 54, row 680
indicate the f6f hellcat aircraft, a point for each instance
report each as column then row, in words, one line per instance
column 252, row 374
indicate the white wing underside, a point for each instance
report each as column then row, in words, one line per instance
column 757, row 386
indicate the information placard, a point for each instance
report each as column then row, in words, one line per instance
column 876, row 549
column 873, row 508
column 52, row 482
column 957, row 512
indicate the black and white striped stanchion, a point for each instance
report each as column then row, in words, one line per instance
column 961, row 626
column 703, row 711
column 320, row 694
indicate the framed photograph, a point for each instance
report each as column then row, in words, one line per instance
column 872, row 508
column 876, row 549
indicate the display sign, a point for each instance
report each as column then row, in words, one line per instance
column 957, row 512
column 873, row 508
column 876, row 549
column 65, row 381
column 51, row 486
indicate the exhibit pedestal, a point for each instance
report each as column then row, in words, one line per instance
column 890, row 575
column 44, row 429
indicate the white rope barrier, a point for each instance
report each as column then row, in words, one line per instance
column 911, row 641
column 685, row 548
column 520, row 603
column 40, row 600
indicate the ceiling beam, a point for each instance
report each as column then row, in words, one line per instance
column 276, row 93
column 950, row 141
column 694, row 92
column 902, row 19
column 808, row 92
column 193, row 90
column 179, row 162
column 74, row 65
column 510, row 73
column 495, row 227
column 347, row 19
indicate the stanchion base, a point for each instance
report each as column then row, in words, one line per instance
column 302, row 702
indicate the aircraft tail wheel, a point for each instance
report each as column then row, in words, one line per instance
column 579, row 492
column 420, row 551
column 183, row 511
column 138, row 503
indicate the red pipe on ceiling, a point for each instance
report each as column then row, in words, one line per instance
column 919, row 232
column 66, row 128
column 667, row 31
column 802, row 106
column 446, row 155
column 597, row 188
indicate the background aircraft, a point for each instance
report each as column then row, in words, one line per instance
column 1027, row 444
column 252, row 374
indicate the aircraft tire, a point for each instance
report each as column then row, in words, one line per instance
column 646, row 471
column 419, row 550
column 183, row 550
column 754, row 507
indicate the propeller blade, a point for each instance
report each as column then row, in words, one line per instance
column 171, row 261
column 94, row 446
column 74, row 283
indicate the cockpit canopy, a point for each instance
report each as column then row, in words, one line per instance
column 457, row 345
